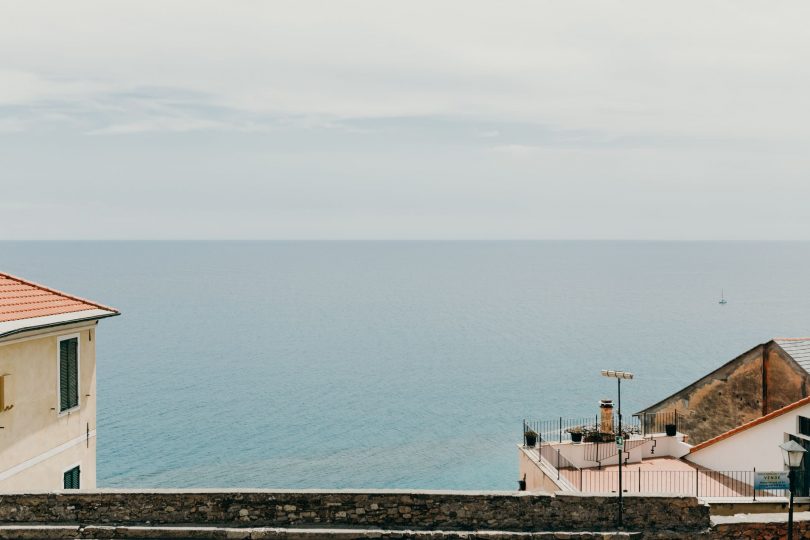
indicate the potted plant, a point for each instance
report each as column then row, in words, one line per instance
column 671, row 430
column 531, row 437
column 576, row 434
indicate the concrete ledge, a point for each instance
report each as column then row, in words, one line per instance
column 780, row 517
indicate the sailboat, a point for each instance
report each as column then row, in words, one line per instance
column 722, row 298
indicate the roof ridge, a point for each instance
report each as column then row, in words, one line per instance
column 57, row 292
column 791, row 338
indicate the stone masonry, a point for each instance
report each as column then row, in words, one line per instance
column 412, row 510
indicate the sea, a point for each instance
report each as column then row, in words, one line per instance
column 395, row 364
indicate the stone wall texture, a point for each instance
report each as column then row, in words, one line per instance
column 759, row 531
column 755, row 383
column 513, row 511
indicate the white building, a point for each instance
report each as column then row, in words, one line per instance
column 656, row 462
column 755, row 445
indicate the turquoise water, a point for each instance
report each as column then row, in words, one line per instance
column 394, row 364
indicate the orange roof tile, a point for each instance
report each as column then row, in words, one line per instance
column 21, row 299
column 752, row 423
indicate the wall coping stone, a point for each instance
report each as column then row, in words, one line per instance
column 780, row 517
column 272, row 491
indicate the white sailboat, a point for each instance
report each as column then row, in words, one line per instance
column 722, row 298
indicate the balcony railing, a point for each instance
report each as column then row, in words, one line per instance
column 562, row 466
column 697, row 482
column 559, row 429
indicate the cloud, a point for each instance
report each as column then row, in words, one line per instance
column 359, row 118
column 689, row 69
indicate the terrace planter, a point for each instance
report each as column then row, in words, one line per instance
column 531, row 438
column 576, row 437
column 599, row 437
column 671, row 430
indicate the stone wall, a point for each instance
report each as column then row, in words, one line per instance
column 755, row 383
column 764, row 530
column 512, row 511
column 785, row 383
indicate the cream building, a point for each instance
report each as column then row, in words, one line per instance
column 47, row 387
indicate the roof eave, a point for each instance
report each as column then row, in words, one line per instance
column 753, row 423
column 54, row 324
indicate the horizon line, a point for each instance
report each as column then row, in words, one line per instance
column 640, row 240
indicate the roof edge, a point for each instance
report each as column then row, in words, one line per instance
column 53, row 324
column 60, row 293
column 752, row 423
column 672, row 395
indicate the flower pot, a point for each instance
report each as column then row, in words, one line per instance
column 671, row 430
column 576, row 437
column 531, row 439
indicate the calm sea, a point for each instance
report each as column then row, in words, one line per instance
column 394, row 364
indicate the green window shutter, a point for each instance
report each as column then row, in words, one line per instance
column 68, row 374
column 70, row 479
column 73, row 372
column 63, row 376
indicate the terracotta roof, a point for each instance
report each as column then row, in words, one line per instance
column 21, row 299
column 752, row 423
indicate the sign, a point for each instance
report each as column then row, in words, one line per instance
column 620, row 442
column 771, row 480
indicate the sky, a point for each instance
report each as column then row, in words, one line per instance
column 378, row 119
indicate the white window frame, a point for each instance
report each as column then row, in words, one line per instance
column 78, row 406
column 75, row 465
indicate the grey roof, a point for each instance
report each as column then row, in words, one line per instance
column 798, row 349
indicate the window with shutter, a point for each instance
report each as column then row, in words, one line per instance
column 68, row 374
column 804, row 425
column 71, row 478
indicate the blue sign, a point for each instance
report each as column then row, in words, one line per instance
column 771, row 480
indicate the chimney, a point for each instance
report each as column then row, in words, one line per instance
column 606, row 416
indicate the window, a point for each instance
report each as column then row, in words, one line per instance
column 68, row 374
column 6, row 392
column 804, row 425
column 71, row 478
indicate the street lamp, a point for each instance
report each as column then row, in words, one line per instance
column 619, row 375
column 792, row 454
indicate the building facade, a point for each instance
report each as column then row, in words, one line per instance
column 754, row 384
column 47, row 387
column 712, row 439
column 755, row 445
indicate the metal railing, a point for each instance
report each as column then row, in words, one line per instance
column 598, row 452
column 657, row 422
column 563, row 467
column 697, row 482
column 559, row 429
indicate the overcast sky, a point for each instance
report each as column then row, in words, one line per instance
column 410, row 119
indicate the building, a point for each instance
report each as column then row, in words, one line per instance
column 709, row 439
column 47, row 387
column 753, row 445
column 756, row 383
column 656, row 461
